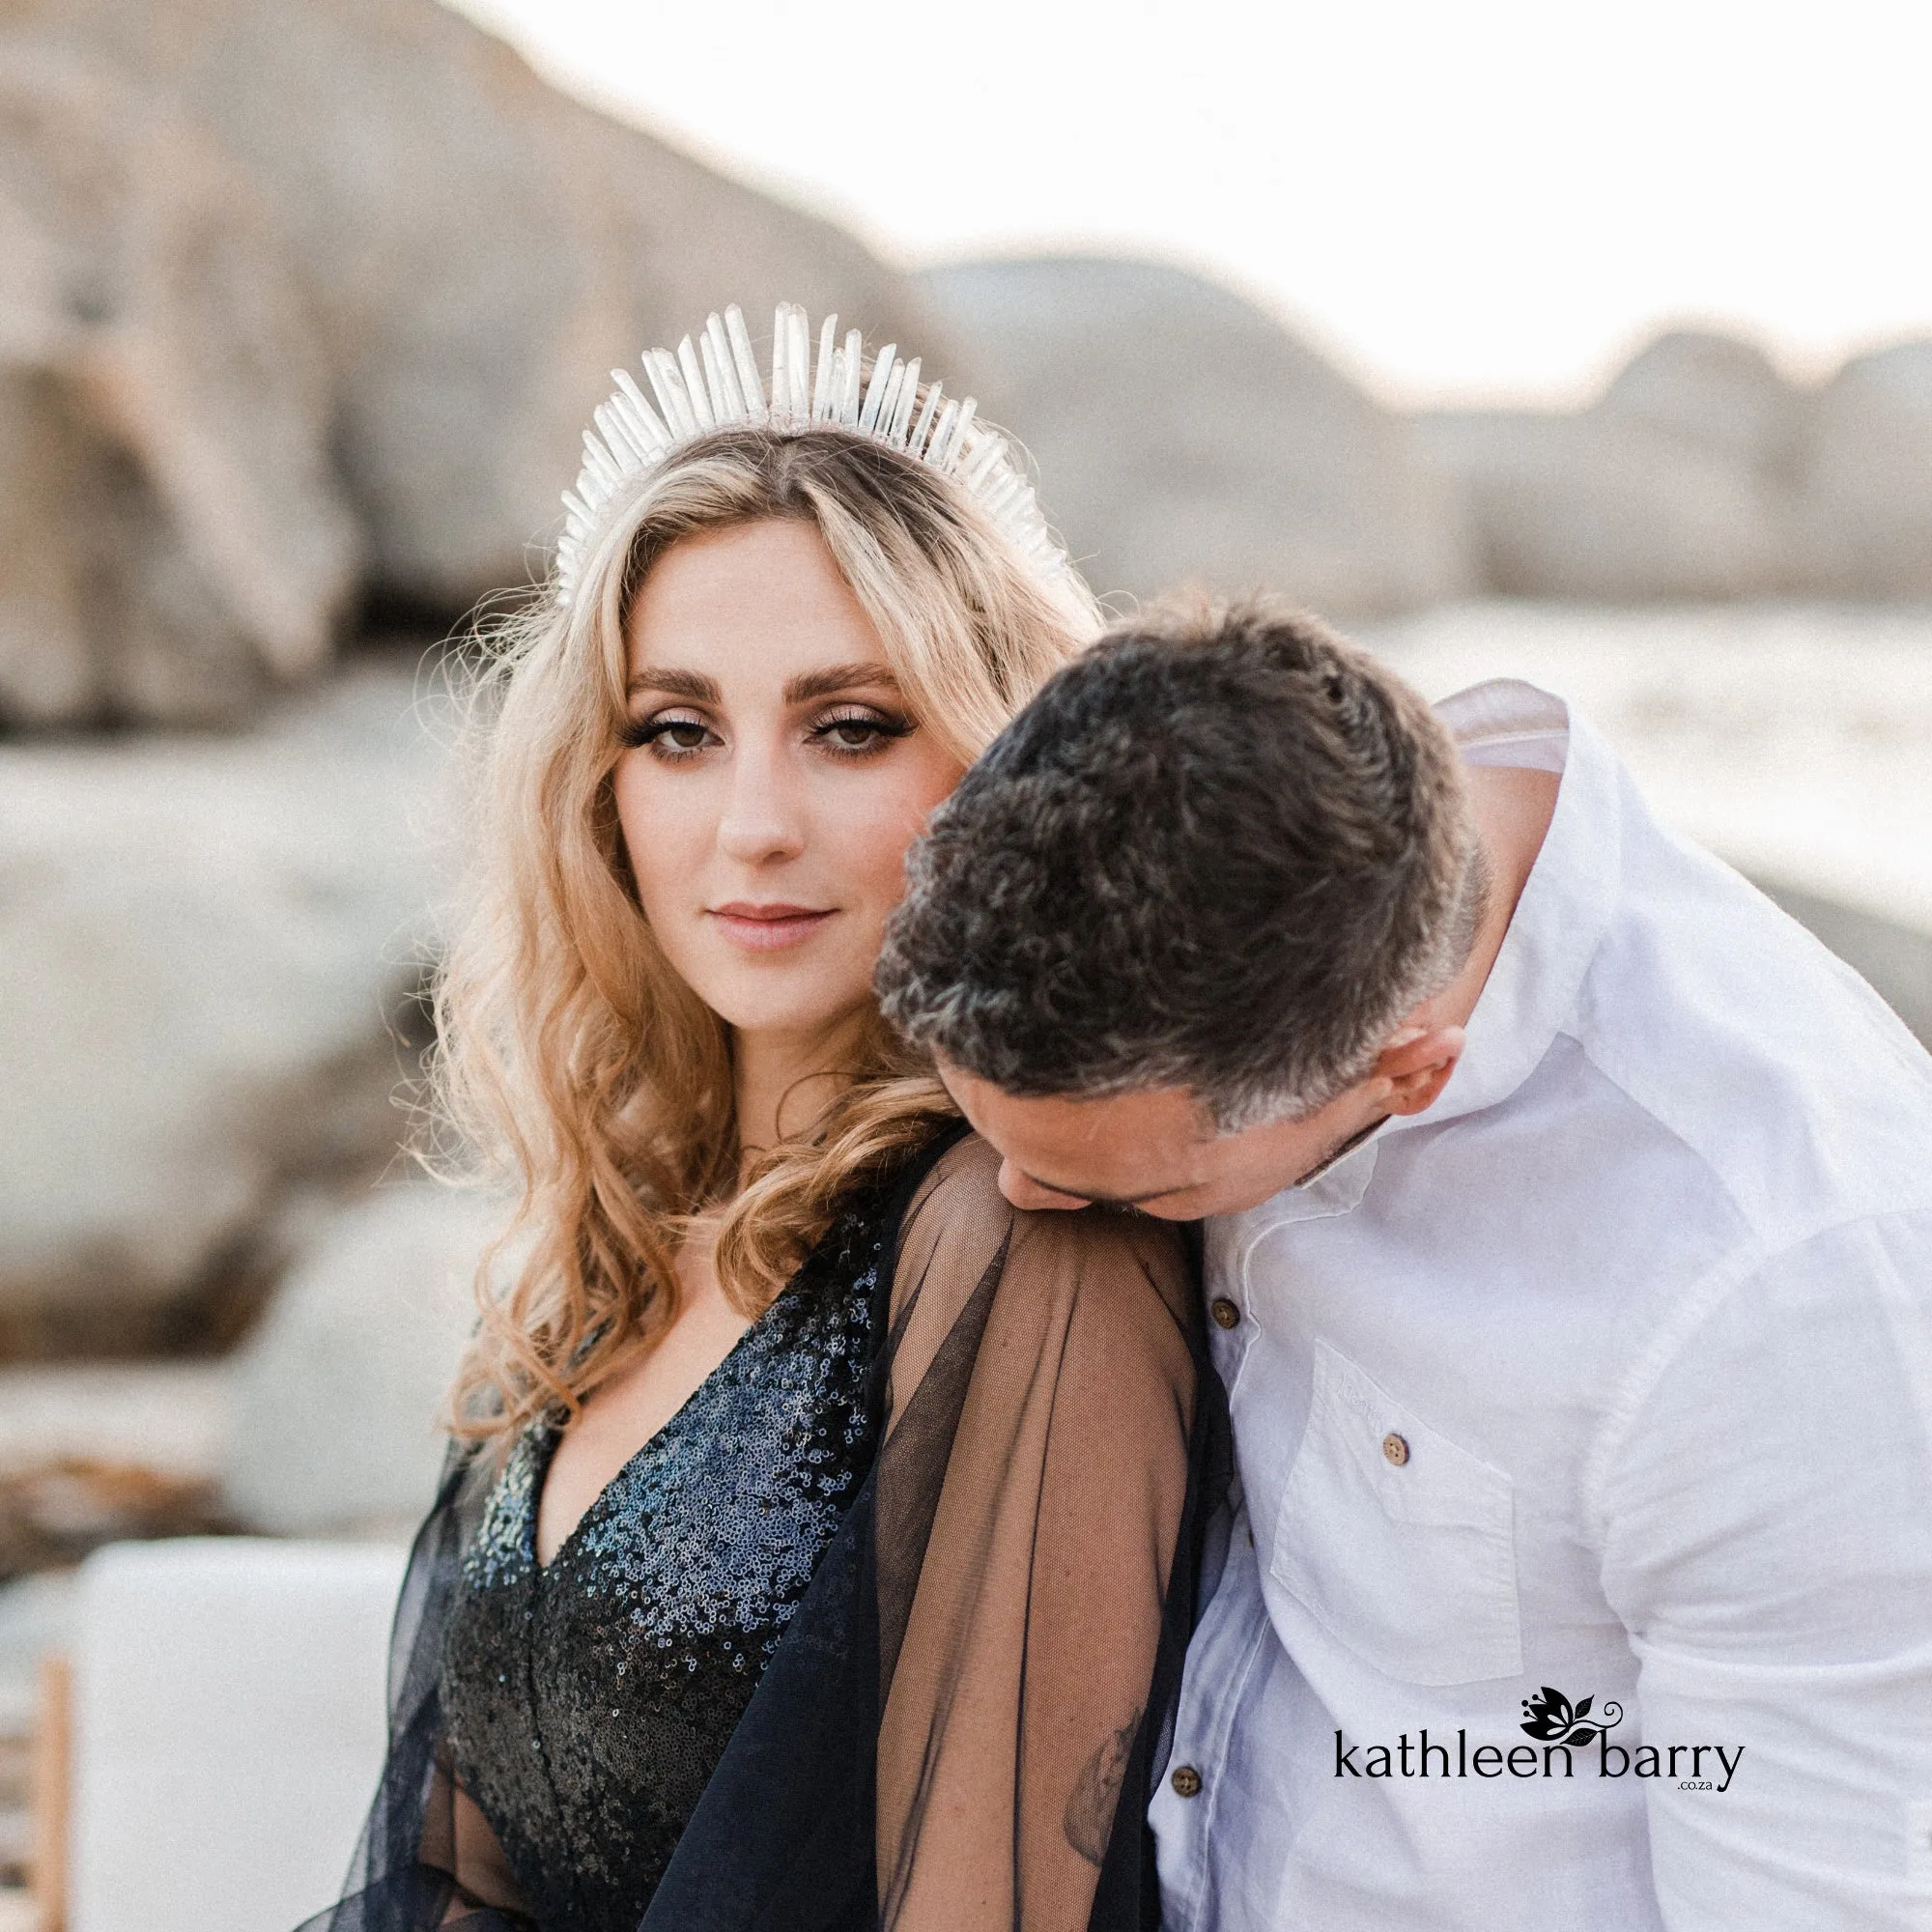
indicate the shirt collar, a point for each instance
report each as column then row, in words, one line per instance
column 1566, row 905
column 1336, row 1188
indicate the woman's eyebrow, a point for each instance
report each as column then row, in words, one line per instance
column 693, row 684
column 834, row 678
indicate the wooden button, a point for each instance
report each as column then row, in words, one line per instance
column 1396, row 1449
column 1226, row 1315
column 1186, row 1781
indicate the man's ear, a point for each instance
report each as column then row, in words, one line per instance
column 1416, row 1064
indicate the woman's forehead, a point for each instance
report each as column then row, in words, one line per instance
column 760, row 602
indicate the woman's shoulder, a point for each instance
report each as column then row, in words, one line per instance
column 958, row 1219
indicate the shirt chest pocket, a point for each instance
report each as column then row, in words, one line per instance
column 1400, row 1543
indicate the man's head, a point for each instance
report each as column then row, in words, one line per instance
column 1173, row 937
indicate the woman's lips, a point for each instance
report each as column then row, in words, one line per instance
column 767, row 928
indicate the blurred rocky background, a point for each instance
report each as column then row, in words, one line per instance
column 304, row 305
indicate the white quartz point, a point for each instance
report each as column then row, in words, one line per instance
column 821, row 390
column 668, row 385
column 694, row 383
column 921, row 428
column 780, row 352
column 643, row 417
column 800, row 359
column 907, row 380
column 753, row 390
column 875, row 390
column 727, row 399
column 850, row 368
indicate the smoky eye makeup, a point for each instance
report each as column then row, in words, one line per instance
column 860, row 730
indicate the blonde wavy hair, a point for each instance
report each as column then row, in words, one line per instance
column 571, row 1058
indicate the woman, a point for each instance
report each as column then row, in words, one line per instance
column 822, row 1549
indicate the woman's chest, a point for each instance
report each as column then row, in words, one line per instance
column 587, row 1702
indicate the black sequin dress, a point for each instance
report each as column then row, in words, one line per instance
column 589, row 1701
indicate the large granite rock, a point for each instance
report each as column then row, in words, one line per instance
column 339, row 1393
column 1716, row 392
column 480, row 250
column 1676, row 483
column 202, row 946
column 1868, row 476
column 172, row 537
column 1182, row 434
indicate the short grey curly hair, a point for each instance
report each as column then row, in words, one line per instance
column 1223, row 851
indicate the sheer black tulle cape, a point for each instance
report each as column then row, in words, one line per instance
column 1048, row 1408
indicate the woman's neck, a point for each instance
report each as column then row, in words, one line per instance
column 784, row 1081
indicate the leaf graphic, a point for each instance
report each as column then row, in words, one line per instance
column 1583, row 1709
column 1583, row 1734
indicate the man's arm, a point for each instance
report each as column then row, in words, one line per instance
column 1764, row 1504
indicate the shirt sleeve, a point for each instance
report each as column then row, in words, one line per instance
column 1765, row 1510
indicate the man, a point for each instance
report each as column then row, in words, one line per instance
column 1569, row 1218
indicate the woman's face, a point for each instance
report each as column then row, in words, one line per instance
column 772, row 778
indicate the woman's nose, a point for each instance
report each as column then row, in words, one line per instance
column 763, row 818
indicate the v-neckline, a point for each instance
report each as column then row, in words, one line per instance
column 549, row 1450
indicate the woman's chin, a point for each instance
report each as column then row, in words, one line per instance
column 807, row 1013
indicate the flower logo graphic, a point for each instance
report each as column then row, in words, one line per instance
column 1550, row 1717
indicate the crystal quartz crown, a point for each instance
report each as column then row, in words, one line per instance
column 714, row 384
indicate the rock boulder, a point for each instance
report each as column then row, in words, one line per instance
column 201, row 941
column 1676, row 483
column 1867, row 476
column 339, row 1393
column 173, row 540
column 1718, row 393
column 480, row 250
column 1599, row 507
column 1183, row 435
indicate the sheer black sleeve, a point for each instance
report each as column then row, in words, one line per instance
column 427, row 1857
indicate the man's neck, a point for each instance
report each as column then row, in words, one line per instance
column 1513, row 808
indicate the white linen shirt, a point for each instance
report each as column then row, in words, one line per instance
column 1611, row 1373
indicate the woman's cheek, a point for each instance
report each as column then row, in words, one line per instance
column 653, row 834
column 916, row 792
column 890, row 840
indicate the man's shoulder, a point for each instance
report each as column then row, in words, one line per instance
column 1764, row 1058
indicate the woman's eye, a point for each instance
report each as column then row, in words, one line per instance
column 672, row 737
column 860, row 732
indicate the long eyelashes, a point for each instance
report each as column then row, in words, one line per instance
column 656, row 733
column 870, row 731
